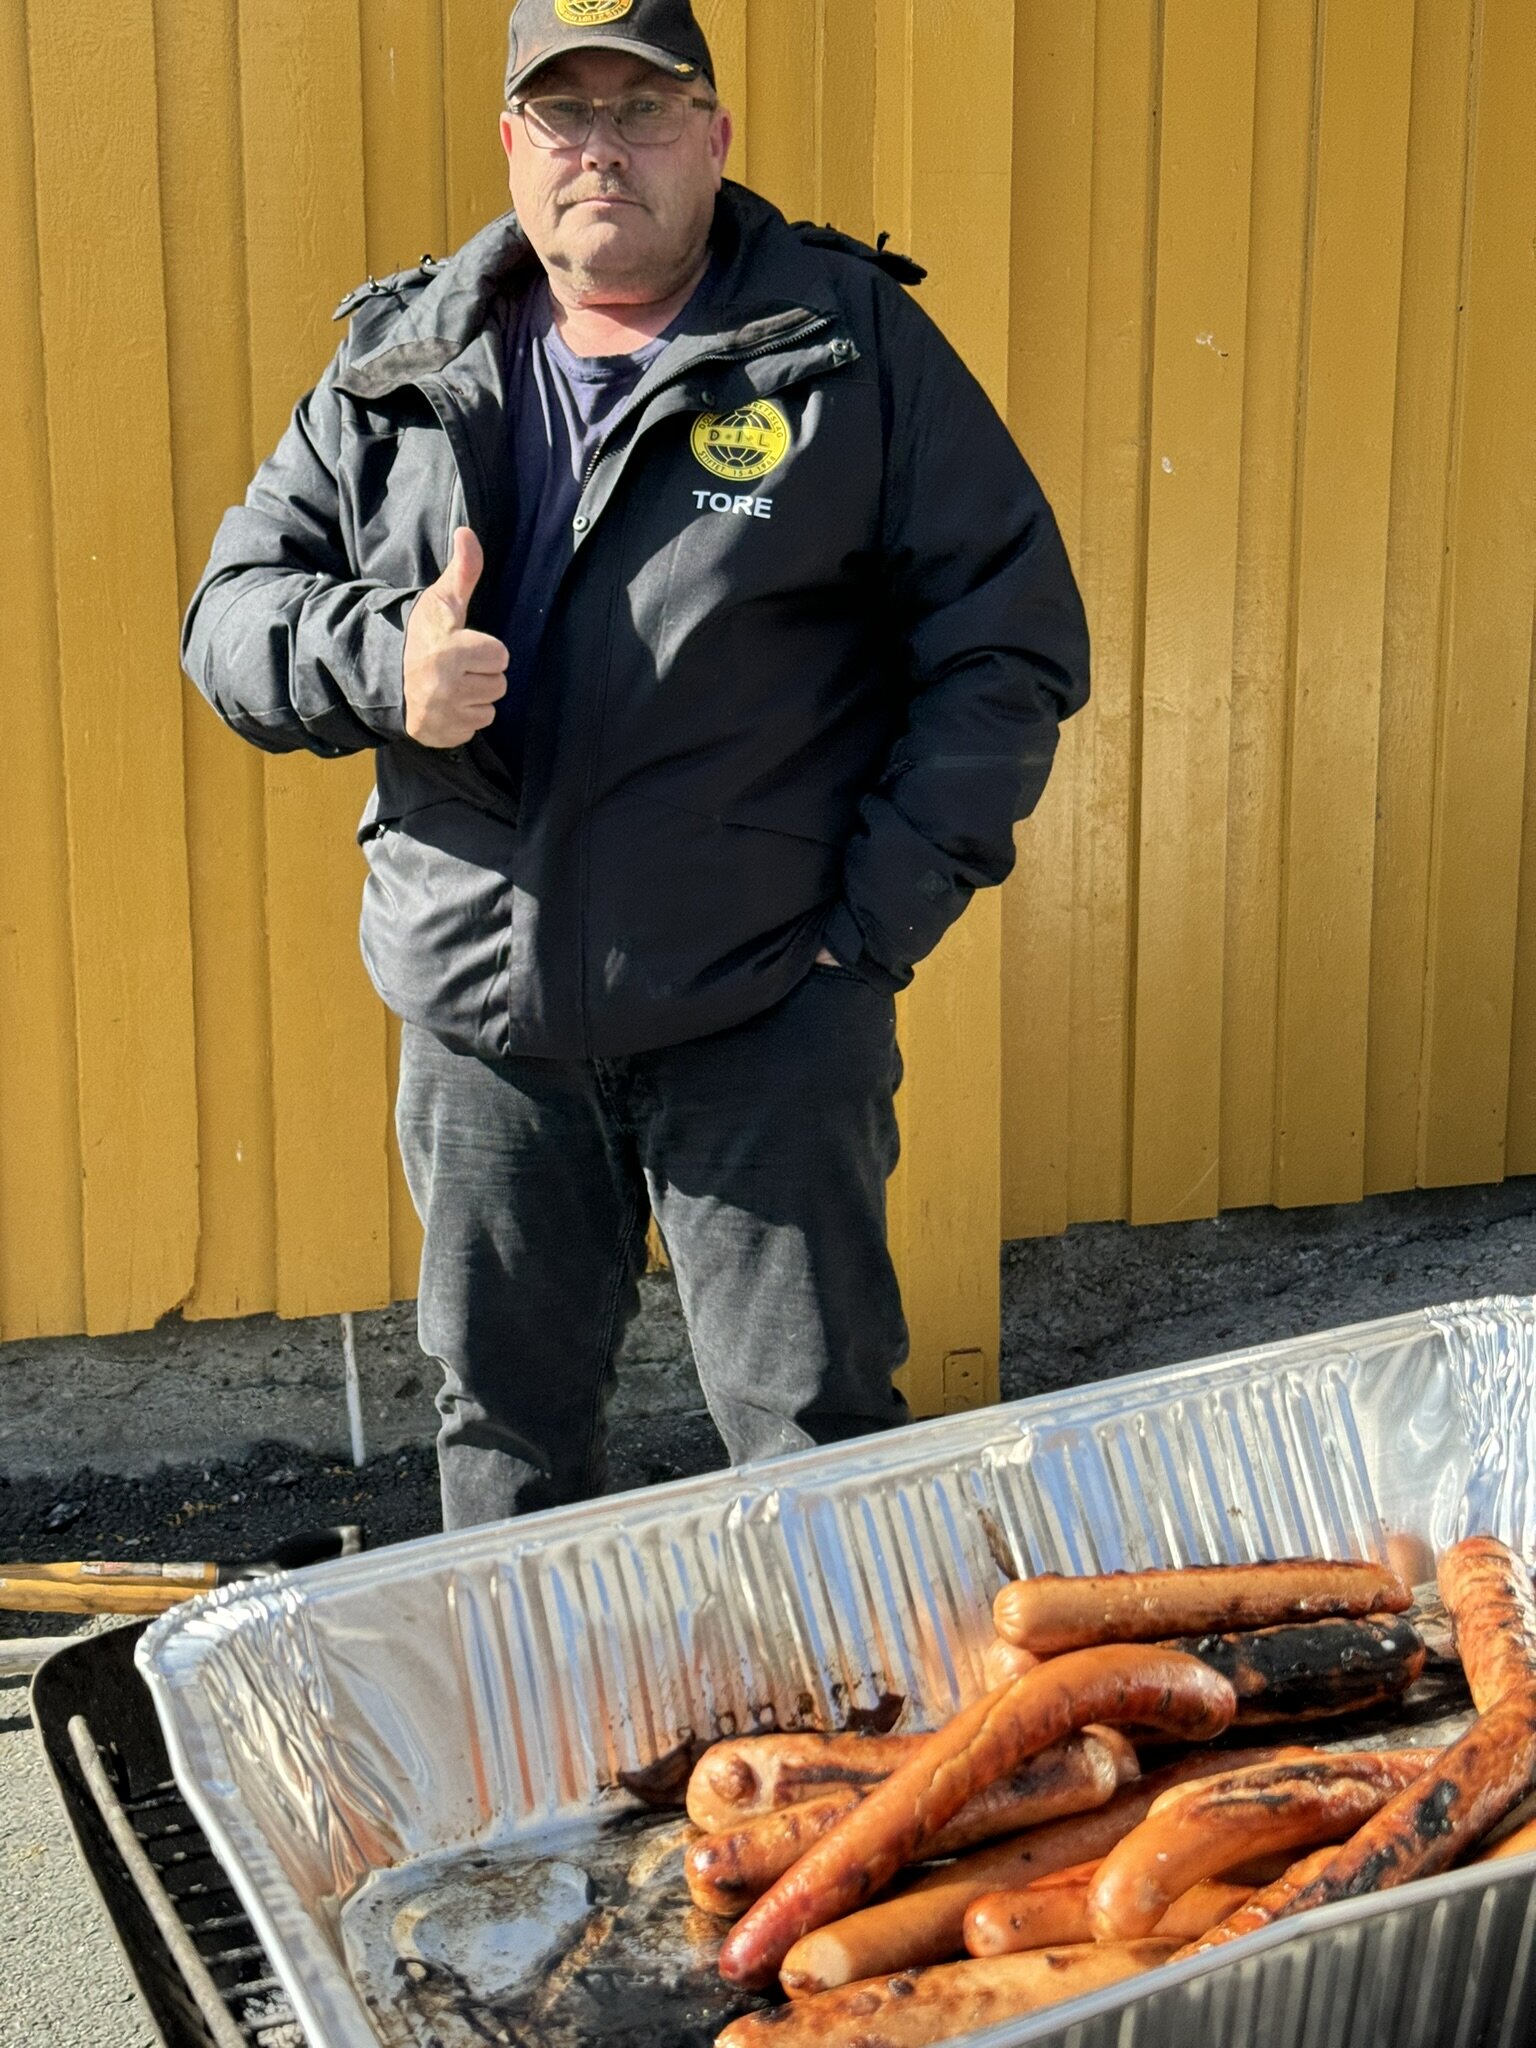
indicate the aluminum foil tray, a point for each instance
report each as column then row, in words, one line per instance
column 419, row 1716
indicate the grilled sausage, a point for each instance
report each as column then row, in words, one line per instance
column 924, row 1924
column 1198, row 1832
column 899, row 1820
column 1051, row 1614
column 1304, row 1671
column 726, row 1872
column 1202, row 1907
column 1045, row 1914
column 1055, row 1910
column 1120, row 1747
column 1487, row 1592
column 759, row 1773
column 923, row 2006
column 1262, row 1906
column 1465, row 1792
column 793, row 1766
column 1070, row 1777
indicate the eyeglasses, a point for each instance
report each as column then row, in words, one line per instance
column 643, row 119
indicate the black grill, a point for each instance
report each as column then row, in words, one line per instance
column 193, row 1953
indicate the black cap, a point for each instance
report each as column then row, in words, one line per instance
column 663, row 32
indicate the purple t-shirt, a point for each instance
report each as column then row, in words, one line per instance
column 559, row 407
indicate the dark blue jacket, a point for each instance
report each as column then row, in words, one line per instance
column 802, row 676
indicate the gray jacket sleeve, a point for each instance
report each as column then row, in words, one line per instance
column 289, row 645
column 996, row 649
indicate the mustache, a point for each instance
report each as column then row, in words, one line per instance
column 610, row 187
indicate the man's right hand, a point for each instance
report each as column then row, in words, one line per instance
column 453, row 678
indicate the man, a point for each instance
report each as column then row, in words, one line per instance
column 711, row 636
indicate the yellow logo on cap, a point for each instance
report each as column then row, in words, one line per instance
column 592, row 13
column 742, row 445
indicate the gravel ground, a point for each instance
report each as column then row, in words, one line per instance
column 1100, row 1301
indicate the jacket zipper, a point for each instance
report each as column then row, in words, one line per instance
column 604, row 448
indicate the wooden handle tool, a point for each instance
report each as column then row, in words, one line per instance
column 107, row 1586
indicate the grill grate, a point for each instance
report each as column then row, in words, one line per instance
column 193, row 1952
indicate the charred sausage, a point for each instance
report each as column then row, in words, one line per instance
column 1070, row 1777
column 924, row 1924
column 1199, row 1832
column 759, row 1773
column 1302, row 1671
column 1487, row 1592
column 1051, row 1614
column 1466, row 1791
column 922, row 2006
column 898, row 1821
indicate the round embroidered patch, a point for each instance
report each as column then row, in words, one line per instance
column 592, row 13
column 741, row 445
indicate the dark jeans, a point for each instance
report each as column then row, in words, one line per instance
column 763, row 1152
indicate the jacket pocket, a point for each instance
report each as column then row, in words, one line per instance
column 411, row 778
column 678, row 901
column 815, row 829
column 435, row 917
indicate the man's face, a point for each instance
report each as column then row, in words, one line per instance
column 620, row 224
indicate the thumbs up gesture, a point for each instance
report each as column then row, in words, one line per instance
column 453, row 678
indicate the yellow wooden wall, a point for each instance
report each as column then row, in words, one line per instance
column 1253, row 281
column 1273, row 938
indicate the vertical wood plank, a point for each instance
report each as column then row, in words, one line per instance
column 845, row 96
column 42, row 1285
column 403, row 131
column 303, row 156
column 1110, row 565
column 1048, row 365
column 947, row 1209
column 724, row 23
column 1490, row 586
column 1412, row 663
column 474, row 35
column 784, row 80
column 892, row 153
column 1520, row 1141
column 893, row 208
column 1344, row 492
column 205, row 288
column 120, row 695
column 946, row 1198
column 1205, row 171
column 1282, row 161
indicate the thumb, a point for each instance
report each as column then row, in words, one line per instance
column 456, row 585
